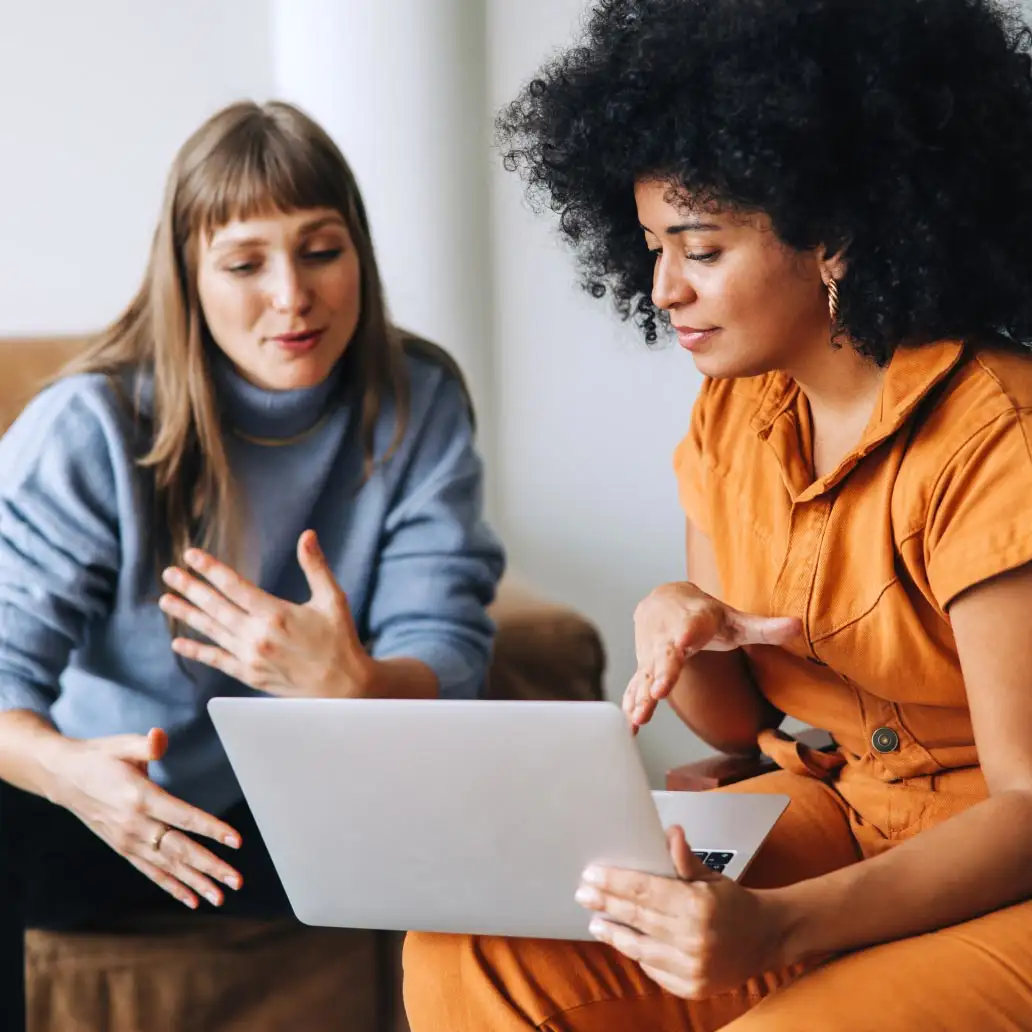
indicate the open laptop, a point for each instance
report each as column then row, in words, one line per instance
column 463, row 816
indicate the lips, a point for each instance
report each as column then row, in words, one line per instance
column 302, row 340
column 689, row 337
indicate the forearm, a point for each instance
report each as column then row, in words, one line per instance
column 974, row 863
column 718, row 699
column 30, row 747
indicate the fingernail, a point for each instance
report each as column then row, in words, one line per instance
column 587, row 897
column 597, row 927
column 592, row 875
column 233, row 881
column 213, row 898
column 188, row 901
column 171, row 575
column 191, row 555
column 232, row 841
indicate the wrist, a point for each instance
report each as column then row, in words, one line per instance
column 797, row 924
column 54, row 754
column 364, row 680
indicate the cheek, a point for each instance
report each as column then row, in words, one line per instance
column 341, row 290
column 228, row 306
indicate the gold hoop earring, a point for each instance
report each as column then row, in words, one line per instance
column 833, row 300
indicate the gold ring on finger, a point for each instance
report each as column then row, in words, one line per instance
column 159, row 837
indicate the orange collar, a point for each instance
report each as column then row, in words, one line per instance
column 912, row 373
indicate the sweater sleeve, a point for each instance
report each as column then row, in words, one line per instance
column 440, row 562
column 59, row 541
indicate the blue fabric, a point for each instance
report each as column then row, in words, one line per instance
column 81, row 637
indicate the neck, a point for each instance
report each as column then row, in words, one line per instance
column 838, row 381
column 257, row 412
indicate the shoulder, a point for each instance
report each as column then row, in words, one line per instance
column 78, row 421
column 989, row 393
column 435, row 381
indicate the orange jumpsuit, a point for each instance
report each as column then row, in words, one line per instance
column 935, row 498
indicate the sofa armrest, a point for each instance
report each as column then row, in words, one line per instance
column 715, row 771
column 543, row 650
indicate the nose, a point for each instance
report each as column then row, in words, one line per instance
column 288, row 291
column 670, row 287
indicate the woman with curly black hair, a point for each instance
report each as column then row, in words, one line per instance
column 830, row 201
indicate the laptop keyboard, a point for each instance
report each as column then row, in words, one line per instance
column 715, row 859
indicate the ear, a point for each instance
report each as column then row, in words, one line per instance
column 833, row 265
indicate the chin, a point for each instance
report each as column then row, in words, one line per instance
column 718, row 366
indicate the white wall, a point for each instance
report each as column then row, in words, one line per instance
column 96, row 97
column 588, row 415
column 400, row 85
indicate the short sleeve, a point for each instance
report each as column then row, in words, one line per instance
column 980, row 516
column 689, row 466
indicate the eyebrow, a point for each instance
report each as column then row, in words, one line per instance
column 307, row 227
column 691, row 226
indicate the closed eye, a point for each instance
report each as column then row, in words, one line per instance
column 328, row 254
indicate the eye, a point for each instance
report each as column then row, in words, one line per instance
column 326, row 254
column 707, row 259
column 242, row 268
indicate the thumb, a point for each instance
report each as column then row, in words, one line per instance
column 146, row 748
column 751, row 629
column 688, row 866
column 321, row 582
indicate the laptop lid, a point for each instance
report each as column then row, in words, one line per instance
column 441, row 815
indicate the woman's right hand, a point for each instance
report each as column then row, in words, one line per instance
column 672, row 624
column 104, row 782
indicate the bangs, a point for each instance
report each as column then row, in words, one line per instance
column 261, row 168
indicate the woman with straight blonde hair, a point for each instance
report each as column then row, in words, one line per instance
column 253, row 401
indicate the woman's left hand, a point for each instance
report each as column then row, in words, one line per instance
column 275, row 646
column 695, row 936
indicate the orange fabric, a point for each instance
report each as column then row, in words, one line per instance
column 981, row 968
column 936, row 497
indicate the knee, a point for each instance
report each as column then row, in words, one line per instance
column 430, row 963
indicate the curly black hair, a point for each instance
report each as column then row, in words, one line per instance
column 900, row 130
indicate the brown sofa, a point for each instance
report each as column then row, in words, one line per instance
column 211, row 974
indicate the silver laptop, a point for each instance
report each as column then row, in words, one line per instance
column 457, row 816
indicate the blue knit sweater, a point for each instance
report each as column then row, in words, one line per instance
column 81, row 637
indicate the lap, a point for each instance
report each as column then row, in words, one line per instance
column 974, row 975
column 66, row 877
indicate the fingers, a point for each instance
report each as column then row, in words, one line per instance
column 637, row 705
column 213, row 605
column 195, row 866
column 165, row 881
column 326, row 592
column 666, row 669
column 634, row 945
column 688, row 866
column 196, row 619
column 213, row 656
column 240, row 591
column 628, row 912
column 146, row 748
column 167, row 809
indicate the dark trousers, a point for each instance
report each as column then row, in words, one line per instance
column 56, row 874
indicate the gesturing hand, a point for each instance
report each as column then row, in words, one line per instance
column 104, row 782
column 272, row 645
column 674, row 622
column 697, row 936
